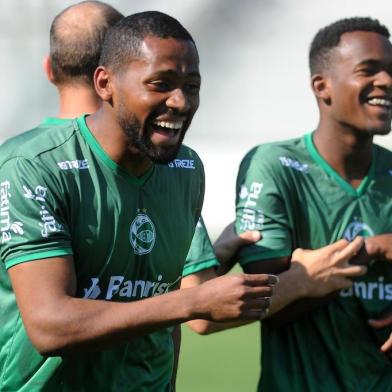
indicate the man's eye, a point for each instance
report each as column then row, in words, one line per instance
column 193, row 87
column 369, row 70
column 160, row 85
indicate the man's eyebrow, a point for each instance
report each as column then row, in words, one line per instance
column 171, row 72
column 370, row 62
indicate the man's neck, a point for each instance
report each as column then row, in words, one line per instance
column 77, row 100
column 116, row 144
column 348, row 152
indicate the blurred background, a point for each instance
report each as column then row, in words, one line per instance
column 255, row 89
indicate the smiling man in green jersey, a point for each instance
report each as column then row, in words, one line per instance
column 311, row 191
column 96, row 222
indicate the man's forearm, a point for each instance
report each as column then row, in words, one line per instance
column 288, row 290
column 81, row 324
column 56, row 321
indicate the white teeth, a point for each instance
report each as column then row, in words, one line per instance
column 380, row 102
column 170, row 125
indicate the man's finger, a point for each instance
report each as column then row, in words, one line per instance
column 387, row 346
column 350, row 250
column 337, row 246
column 343, row 282
column 353, row 270
column 249, row 237
column 253, row 314
column 261, row 279
column 259, row 292
column 259, row 303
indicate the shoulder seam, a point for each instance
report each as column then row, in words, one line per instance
column 42, row 152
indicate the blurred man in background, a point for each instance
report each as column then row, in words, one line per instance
column 76, row 38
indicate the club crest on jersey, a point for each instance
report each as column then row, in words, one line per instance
column 357, row 228
column 142, row 234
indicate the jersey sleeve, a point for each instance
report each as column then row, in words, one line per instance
column 260, row 206
column 201, row 254
column 33, row 222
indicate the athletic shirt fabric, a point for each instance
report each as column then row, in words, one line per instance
column 129, row 236
column 290, row 193
column 201, row 255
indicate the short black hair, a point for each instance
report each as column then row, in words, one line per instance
column 329, row 37
column 123, row 41
column 76, row 37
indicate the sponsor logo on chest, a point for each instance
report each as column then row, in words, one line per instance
column 376, row 290
column 78, row 164
column 119, row 286
column 294, row 164
column 182, row 164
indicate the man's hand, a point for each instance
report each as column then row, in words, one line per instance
column 327, row 269
column 234, row 297
column 313, row 278
column 228, row 244
column 381, row 323
column 379, row 247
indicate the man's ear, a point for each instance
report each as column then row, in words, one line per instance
column 321, row 87
column 103, row 83
column 47, row 65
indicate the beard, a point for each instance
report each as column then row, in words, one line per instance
column 142, row 140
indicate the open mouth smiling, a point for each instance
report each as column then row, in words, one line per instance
column 169, row 128
column 380, row 102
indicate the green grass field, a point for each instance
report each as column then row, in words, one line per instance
column 227, row 361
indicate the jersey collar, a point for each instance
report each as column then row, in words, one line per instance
column 335, row 175
column 101, row 153
column 54, row 120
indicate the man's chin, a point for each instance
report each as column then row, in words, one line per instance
column 164, row 156
column 380, row 131
column 375, row 130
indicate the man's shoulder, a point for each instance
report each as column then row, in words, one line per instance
column 382, row 153
column 37, row 141
column 187, row 152
column 272, row 153
column 383, row 164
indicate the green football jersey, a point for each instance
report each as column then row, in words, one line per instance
column 201, row 254
column 290, row 193
column 61, row 194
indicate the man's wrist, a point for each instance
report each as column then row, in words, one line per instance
column 292, row 281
